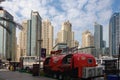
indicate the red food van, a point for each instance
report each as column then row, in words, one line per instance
column 77, row 65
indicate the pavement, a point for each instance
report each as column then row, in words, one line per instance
column 15, row 75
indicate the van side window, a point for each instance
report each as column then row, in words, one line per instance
column 47, row 61
column 90, row 61
column 68, row 60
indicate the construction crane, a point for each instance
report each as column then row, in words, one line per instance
column 8, row 20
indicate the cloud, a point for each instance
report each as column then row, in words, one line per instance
column 81, row 13
column 89, row 12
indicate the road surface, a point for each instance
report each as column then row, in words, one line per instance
column 15, row 75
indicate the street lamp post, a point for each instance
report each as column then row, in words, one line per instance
column 118, row 63
column 39, row 55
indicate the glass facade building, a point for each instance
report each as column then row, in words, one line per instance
column 7, row 40
column 34, row 34
column 114, row 34
column 98, row 38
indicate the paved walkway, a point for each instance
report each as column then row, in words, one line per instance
column 14, row 75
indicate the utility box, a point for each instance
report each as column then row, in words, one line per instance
column 113, row 77
column 88, row 72
column 98, row 71
column 35, row 70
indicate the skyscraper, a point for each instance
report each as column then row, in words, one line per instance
column 34, row 34
column 47, row 36
column 18, row 52
column 114, row 33
column 98, row 36
column 23, row 39
column 66, row 35
column 7, row 40
column 87, row 39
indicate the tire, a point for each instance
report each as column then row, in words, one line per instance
column 60, row 77
column 27, row 69
column 55, row 75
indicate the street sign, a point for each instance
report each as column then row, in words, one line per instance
column 43, row 52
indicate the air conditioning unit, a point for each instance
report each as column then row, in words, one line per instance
column 88, row 72
column 99, row 71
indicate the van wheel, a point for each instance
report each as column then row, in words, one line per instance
column 60, row 77
column 55, row 75
column 27, row 69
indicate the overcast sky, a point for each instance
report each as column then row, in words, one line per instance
column 81, row 13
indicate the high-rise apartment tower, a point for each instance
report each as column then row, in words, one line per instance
column 87, row 39
column 47, row 36
column 66, row 35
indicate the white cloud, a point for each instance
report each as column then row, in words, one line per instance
column 81, row 13
column 82, row 3
column 90, row 12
